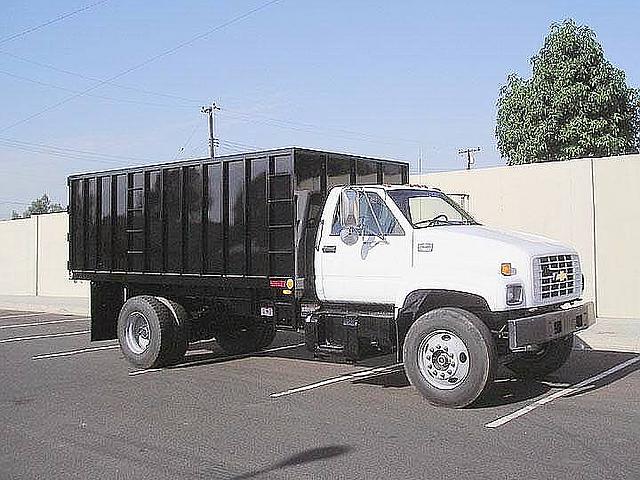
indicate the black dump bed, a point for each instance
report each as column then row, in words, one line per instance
column 236, row 219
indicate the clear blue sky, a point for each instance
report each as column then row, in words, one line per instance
column 370, row 77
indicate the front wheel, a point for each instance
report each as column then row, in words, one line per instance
column 550, row 358
column 450, row 357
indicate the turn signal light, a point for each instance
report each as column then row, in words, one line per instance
column 507, row 270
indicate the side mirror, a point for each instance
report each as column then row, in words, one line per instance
column 349, row 209
column 349, row 236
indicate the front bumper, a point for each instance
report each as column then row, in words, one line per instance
column 549, row 326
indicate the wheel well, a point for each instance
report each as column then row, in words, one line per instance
column 419, row 302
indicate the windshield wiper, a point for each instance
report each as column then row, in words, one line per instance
column 434, row 222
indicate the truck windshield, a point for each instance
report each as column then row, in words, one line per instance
column 428, row 208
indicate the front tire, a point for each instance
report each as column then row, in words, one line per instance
column 450, row 357
column 551, row 357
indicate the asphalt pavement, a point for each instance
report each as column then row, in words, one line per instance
column 71, row 408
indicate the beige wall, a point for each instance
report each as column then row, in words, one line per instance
column 53, row 254
column 557, row 200
column 33, row 258
column 617, row 200
column 18, row 257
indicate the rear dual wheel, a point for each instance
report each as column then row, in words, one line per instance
column 247, row 339
column 152, row 331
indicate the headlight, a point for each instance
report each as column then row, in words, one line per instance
column 514, row 294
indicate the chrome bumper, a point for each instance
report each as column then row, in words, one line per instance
column 549, row 326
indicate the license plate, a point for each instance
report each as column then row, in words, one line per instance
column 266, row 311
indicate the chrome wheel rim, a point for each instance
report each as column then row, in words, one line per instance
column 138, row 333
column 443, row 360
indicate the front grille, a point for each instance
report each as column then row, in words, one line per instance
column 556, row 278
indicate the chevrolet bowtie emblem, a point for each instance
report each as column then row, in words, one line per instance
column 560, row 276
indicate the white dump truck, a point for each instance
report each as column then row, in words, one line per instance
column 335, row 245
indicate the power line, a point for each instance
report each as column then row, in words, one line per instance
column 91, row 156
column 59, row 18
column 69, row 153
column 250, row 117
column 182, row 149
column 312, row 128
column 93, row 95
column 96, row 79
column 142, row 64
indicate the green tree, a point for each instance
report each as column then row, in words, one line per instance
column 39, row 206
column 576, row 103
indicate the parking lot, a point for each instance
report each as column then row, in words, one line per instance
column 70, row 408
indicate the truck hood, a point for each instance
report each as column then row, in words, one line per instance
column 478, row 235
column 467, row 258
column 469, row 246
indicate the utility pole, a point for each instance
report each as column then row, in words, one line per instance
column 468, row 152
column 209, row 111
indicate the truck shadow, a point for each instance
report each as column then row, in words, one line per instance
column 582, row 365
column 507, row 389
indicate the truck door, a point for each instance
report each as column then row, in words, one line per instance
column 372, row 269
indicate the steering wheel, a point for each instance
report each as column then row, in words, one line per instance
column 438, row 218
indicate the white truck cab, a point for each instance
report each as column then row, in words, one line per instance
column 408, row 262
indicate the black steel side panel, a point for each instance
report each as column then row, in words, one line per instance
column 209, row 221
column 201, row 218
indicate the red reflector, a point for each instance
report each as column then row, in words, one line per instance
column 277, row 283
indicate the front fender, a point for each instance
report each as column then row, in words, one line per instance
column 493, row 293
column 418, row 302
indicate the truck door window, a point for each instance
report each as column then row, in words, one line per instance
column 388, row 222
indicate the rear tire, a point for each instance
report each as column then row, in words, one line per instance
column 450, row 357
column 247, row 339
column 181, row 339
column 268, row 334
column 147, row 332
column 554, row 354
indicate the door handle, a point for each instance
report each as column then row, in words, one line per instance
column 329, row 249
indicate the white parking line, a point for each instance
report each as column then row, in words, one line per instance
column 24, row 315
column 74, row 352
column 561, row 393
column 372, row 372
column 219, row 359
column 35, row 324
column 36, row 337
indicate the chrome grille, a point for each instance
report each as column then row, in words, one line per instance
column 556, row 278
